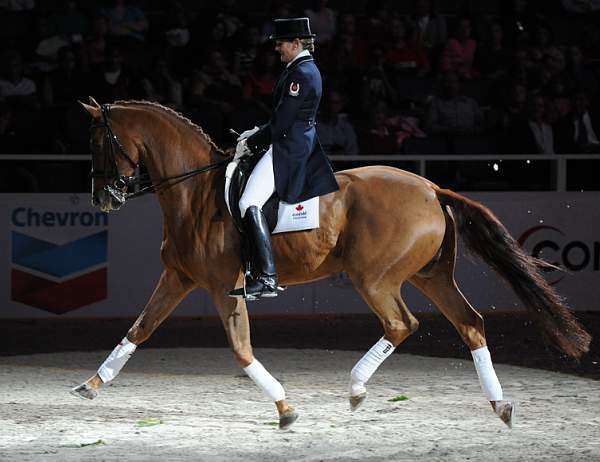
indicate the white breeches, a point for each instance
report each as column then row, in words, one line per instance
column 261, row 184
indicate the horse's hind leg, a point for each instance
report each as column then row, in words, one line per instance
column 171, row 289
column 398, row 323
column 440, row 287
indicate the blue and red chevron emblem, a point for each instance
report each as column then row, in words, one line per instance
column 59, row 277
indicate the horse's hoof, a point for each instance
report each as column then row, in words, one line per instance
column 506, row 410
column 287, row 419
column 84, row 391
column 356, row 401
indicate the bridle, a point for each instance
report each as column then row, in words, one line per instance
column 115, row 183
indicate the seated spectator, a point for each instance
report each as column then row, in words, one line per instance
column 510, row 114
column 376, row 82
column 460, row 51
column 335, row 130
column 203, row 110
column 377, row 137
column 579, row 130
column 228, row 12
column 244, row 55
column 553, row 67
column 405, row 127
column 386, row 133
column 73, row 21
column 404, row 56
column 523, row 69
column 578, row 73
column 259, row 84
column 94, row 46
column 535, row 136
column 322, row 21
column 346, row 55
column 126, row 21
column 50, row 40
column 67, row 83
column 223, row 87
column 15, row 132
column 213, row 36
column 10, row 142
column 13, row 83
column 114, row 81
column 162, row 87
column 540, row 43
column 452, row 112
column 347, row 24
column 558, row 102
column 431, row 30
column 493, row 58
column 127, row 27
column 177, row 32
column 373, row 25
column 178, row 36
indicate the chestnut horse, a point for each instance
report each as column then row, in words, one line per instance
column 383, row 227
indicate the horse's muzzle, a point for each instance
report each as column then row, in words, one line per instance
column 107, row 199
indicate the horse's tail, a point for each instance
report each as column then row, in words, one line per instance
column 487, row 237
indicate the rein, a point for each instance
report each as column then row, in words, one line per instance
column 165, row 183
column 122, row 181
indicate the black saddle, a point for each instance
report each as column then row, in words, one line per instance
column 239, row 180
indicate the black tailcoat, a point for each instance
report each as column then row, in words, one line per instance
column 301, row 168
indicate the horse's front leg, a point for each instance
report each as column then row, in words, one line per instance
column 171, row 289
column 234, row 315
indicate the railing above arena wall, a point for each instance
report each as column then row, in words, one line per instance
column 422, row 160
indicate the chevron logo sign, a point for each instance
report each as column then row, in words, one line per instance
column 50, row 268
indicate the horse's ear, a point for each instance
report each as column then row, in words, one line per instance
column 93, row 102
column 93, row 111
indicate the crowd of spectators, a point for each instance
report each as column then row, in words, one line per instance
column 414, row 77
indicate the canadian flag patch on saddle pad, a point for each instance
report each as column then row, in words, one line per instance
column 296, row 217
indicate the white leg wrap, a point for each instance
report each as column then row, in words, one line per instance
column 368, row 364
column 116, row 360
column 265, row 381
column 487, row 376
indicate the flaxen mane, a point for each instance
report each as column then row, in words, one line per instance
column 178, row 116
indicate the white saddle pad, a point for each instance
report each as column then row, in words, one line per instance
column 296, row 217
column 291, row 217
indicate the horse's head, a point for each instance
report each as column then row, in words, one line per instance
column 115, row 157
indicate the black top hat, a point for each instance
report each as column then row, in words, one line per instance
column 291, row 28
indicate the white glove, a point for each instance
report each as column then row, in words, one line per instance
column 248, row 133
column 242, row 149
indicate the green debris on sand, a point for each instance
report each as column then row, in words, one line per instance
column 272, row 423
column 148, row 422
column 398, row 398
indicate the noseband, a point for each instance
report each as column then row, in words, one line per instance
column 115, row 183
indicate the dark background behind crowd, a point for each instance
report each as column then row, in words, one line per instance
column 400, row 77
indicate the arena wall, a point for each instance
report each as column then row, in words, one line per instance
column 61, row 257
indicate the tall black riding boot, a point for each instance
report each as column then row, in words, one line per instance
column 265, row 282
